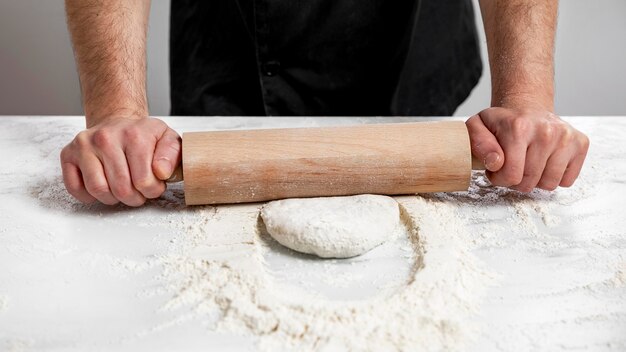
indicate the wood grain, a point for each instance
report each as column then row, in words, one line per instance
column 258, row 165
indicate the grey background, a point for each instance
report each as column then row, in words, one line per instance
column 38, row 77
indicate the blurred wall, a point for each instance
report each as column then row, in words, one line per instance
column 37, row 71
column 38, row 77
column 590, row 61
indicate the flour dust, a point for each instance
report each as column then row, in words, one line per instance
column 229, row 281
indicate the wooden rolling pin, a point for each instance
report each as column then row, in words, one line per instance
column 258, row 165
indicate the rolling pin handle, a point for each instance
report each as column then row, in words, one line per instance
column 177, row 175
column 477, row 164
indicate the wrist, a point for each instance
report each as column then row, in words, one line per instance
column 524, row 88
column 524, row 101
column 104, row 103
column 94, row 117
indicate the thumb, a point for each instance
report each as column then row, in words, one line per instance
column 166, row 154
column 484, row 144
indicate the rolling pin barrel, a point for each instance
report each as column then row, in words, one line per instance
column 259, row 165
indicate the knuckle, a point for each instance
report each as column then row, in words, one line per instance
column 523, row 186
column 81, row 141
column 512, row 180
column 65, row 154
column 473, row 120
column 566, row 138
column 73, row 188
column 527, row 184
column 512, row 176
column 519, row 126
column 149, row 188
column 133, row 135
column 143, row 183
column 129, row 196
column 102, row 138
column 549, row 184
column 584, row 142
column 506, row 180
column 154, row 192
column 122, row 192
column 546, row 133
column 99, row 190
column 134, row 200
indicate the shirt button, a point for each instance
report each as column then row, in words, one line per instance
column 271, row 68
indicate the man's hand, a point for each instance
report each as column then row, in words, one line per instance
column 527, row 149
column 122, row 156
column 522, row 143
column 121, row 160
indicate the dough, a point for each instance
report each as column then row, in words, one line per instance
column 332, row 227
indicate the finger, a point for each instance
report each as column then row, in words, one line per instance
column 554, row 171
column 576, row 163
column 95, row 181
column 573, row 170
column 166, row 154
column 139, row 158
column 512, row 172
column 118, row 177
column 484, row 144
column 73, row 180
column 512, row 133
column 535, row 163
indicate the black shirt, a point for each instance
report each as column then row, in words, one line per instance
column 322, row 57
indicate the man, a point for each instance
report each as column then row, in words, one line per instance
column 315, row 57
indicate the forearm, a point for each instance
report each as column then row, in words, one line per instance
column 109, row 39
column 520, row 40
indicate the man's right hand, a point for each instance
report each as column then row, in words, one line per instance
column 121, row 160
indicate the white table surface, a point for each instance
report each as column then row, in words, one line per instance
column 75, row 278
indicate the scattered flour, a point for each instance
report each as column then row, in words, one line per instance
column 18, row 345
column 332, row 227
column 619, row 280
column 4, row 302
column 229, row 285
column 215, row 269
column 236, row 293
column 527, row 215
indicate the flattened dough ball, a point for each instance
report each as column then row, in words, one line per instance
column 332, row 227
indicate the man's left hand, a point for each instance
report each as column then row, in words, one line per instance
column 525, row 149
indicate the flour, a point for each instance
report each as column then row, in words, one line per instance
column 18, row 345
column 237, row 294
column 4, row 302
column 332, row 227
column 619, row 280
column 52, row 194
column 228, row 284
column 528, row 215
column 558, row 259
